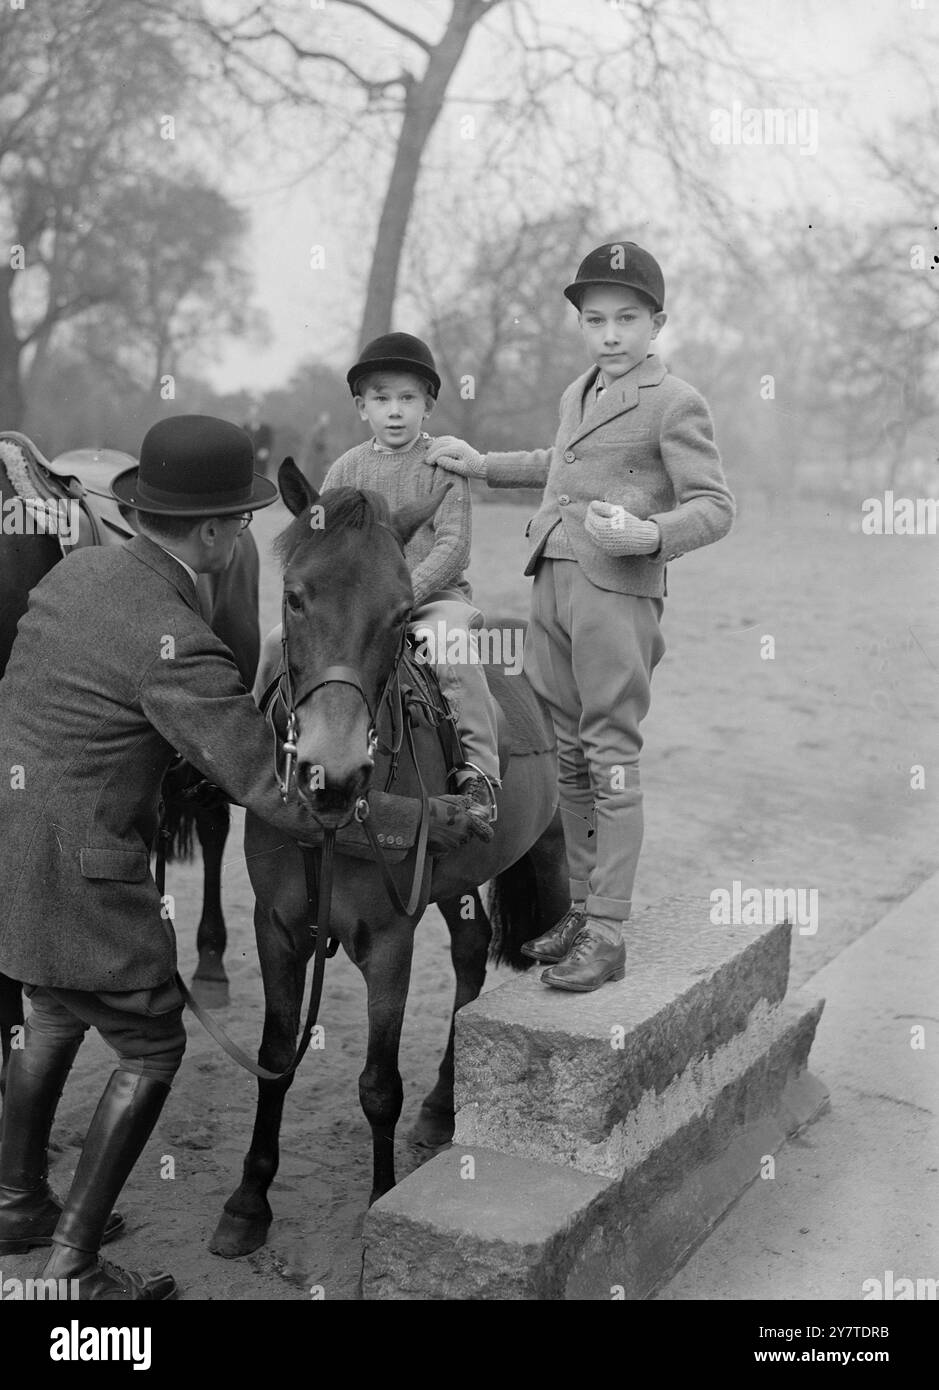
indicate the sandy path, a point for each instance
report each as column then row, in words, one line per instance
column 785, row 773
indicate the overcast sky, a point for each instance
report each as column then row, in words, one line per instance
column 312, row 313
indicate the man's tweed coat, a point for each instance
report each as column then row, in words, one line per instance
column 646, row 443
column 112, row 669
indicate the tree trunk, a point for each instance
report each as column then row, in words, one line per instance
column 423, row 103
column 12, row 405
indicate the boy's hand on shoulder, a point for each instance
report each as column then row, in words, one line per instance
column 457, row 457
column 618, row 532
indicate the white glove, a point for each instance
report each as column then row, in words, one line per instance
column 457, row 457
column 617, row 532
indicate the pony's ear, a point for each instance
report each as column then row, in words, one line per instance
column 297, row 493
column 410, row 518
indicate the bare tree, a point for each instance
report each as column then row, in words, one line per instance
column 625, row 67
column 96, row 228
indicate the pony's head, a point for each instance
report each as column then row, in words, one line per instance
column 347, row 599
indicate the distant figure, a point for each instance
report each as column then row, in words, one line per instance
column 317, row 457
column 262, row 437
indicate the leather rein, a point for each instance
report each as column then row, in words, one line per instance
column 319, row 884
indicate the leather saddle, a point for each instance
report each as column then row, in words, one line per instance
column 83, row 476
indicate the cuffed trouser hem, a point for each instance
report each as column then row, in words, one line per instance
column 616, row 909
column 579, row 890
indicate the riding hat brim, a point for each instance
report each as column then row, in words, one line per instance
column 575, row 292
column 408, row 366
column 129, row 491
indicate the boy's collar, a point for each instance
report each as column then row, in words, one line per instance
column 648, row 372
column 586, row 411
column 402, row 448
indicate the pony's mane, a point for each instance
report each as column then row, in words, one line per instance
column 343, row 507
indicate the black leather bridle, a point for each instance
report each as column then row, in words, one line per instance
column 292, row 697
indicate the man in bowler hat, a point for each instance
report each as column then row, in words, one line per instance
column 113, row 671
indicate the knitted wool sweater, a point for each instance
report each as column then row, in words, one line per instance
column 437, row 553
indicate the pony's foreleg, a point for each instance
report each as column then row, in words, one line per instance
column 470, row 933
column 210, row 982
column 247, row 1214
column 11, row 1016
column 386, row 965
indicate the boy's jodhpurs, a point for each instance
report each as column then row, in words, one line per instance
column 462, row 678
column 590, row 654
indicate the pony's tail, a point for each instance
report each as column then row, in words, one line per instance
column 179, row 826
column 185, row 794
column 514, row 912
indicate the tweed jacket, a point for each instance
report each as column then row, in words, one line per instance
column 646, row 443
column 113, row 668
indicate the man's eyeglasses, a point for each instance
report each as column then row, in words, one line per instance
column 245, row 521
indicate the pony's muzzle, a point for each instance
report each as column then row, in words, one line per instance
column 332, row 803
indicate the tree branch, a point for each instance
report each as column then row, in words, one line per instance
column 391, row 24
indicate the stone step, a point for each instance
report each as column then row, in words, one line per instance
column 598, row 1080
column 476, row 1223
column 600, row 1137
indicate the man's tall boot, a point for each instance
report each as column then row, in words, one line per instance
column 122, row 1124
column 29, row 1211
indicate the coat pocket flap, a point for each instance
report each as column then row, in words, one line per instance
column 124, row 865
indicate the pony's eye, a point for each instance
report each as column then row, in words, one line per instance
column 294, row 601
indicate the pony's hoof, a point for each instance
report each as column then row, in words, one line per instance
column 210, row 994
column 238, row 1235
column 432, row 1130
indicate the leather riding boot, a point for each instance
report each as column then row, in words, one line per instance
column 593, row 959
column 122, row 1124
column 29, row 1211
column 556, row 943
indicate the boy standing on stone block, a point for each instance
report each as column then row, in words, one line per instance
column 633, row 481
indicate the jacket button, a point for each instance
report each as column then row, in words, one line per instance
column 381, row 839
column 563, row 499
column 399, row 840
column 570, row 457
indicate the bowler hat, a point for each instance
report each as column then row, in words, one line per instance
column 395, row 352
column 194, row 465
column 619, row 263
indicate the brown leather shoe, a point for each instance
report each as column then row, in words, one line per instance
column 556, row 943
column 591, row 961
